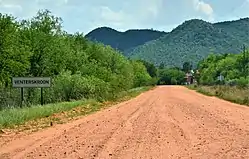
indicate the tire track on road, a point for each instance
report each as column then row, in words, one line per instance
column 169, row 122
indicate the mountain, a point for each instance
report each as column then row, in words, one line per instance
column 238, row 28
column 123, row 40
column 192, row 41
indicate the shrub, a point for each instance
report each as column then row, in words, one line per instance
column 242, row 82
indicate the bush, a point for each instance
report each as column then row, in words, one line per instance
column 80, row 69
column 173, row 81
column 171, row 76
column 231, row 82
column 141, row 76
column 68, row 87
column 153, row 81
column 242, row 82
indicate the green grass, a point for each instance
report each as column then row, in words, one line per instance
column 18, row 116
column 232, row 94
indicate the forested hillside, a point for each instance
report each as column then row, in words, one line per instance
column 123, row 40
column 237, row 28
column 80, row 69
column 193, row 41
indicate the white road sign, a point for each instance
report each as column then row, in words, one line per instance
column 31, row 82
column 221, row 78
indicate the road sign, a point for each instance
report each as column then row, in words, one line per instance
column 221, row 78
column 31, row 82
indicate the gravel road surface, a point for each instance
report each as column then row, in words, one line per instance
column 168, row 122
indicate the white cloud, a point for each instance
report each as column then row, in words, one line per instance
column 10, row 6
column 84, row 15
column 109, row 15
column 151, row 8
column 204, row 8
column 131, row 14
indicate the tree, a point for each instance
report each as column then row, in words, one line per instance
column 141, row 77
column 43, row 37
column 233, row 67
column 245, row 62
column 151, row 69
column 186, row 67
column 171, row 76
column 13, row 56
column 161, row 66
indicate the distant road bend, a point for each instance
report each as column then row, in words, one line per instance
column 168, row 122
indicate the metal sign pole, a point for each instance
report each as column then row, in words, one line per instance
column 41, row 96
column 22, row 97
column 31, row 82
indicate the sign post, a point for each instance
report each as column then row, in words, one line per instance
column 41, row 96
column 31, row 82
column 22, row 97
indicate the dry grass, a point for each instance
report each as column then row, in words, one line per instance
column 233, row 94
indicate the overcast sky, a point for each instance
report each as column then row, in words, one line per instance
column 85, row 15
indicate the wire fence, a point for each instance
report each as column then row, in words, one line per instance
column 11, row 97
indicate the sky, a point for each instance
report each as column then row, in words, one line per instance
column 164, row 15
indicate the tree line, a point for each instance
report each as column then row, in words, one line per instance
column 80, row 69
column 234, row 68
column 216, row 69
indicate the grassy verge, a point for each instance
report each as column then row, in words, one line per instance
column 232, row 94
column 43, row 116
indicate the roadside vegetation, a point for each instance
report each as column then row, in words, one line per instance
column 84, row 73
column 80, row 69
column 225, row 76
column 233, row 68
column 232, row 94
column 173, row 75
column 43, row 116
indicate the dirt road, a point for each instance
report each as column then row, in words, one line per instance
column 167, row 122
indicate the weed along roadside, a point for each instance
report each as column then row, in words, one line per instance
column 37, row 117
column 232, row 94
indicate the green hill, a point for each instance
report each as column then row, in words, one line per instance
column 123, row 40
column 238, row 28
column 194, row 40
